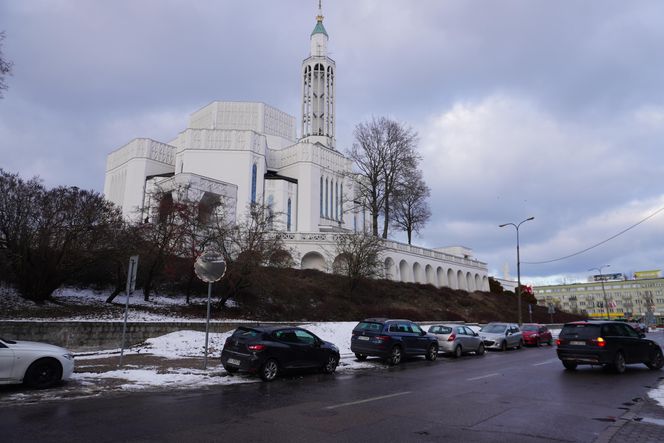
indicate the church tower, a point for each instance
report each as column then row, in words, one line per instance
column 318, row 89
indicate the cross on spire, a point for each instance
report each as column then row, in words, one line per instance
column 320, row 11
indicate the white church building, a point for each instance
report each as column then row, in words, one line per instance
column 245, row 152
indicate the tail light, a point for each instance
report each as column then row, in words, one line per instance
column 383, row 338
column 452, row 337
column 599, row 341
column 256, row 347
column 557, row 342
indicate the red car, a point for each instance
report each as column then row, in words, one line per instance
column 535, row 335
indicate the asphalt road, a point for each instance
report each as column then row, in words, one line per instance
column 515, row 396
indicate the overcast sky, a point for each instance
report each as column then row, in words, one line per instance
column 551, row 109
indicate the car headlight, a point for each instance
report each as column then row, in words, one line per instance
column 335, row 349
column 68, row 356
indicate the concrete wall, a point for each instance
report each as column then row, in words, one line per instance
column 82, row 335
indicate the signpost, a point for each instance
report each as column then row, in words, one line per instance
column 209, row 267
column 552, row 310
column 131, row 286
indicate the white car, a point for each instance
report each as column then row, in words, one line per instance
column 37, row 365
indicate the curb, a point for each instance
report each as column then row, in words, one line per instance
column 612, row 430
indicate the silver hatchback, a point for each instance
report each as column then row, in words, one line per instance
column 501, row 336
column 457, row 339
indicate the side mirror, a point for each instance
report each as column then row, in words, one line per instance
column 423, row 333
column 475, row 334
column 507, row 333
column 642, row 335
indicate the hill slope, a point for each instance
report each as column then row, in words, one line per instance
column 273, row 294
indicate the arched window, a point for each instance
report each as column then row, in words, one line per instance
column 254, row 171
column 341, row 201
column 270, row 210
column 288, row 215
column 321, row 196
column 327, row 196
column 336, row 201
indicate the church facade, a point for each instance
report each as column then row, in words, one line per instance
column 248, row 152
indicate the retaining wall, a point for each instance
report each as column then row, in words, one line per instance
column 88, row 335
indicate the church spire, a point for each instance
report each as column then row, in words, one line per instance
column 319, row 29
column 318, row 88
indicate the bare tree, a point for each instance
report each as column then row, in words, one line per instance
column 401, row 160
column 176, row 229
column 384, row 150
column 246, row 245
column 411, row 210
column 367, row 153
column 5, row 66
column 51, row 236
column 358, row 256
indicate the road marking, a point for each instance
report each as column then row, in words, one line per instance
column 367, row 400
column 546, row 362
column 483, row 376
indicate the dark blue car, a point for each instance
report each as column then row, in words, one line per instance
column 392, row 340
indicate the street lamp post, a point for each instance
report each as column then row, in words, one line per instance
column 518, row 263
column 601, row 278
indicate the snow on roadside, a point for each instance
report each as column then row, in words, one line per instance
column 191, row 344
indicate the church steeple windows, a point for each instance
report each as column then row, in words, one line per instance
column 318, row 89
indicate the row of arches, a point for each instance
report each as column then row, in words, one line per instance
column 410, row 272
column 437, row 276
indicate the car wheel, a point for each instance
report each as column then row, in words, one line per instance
column 569, row 365
column 331, row 364
column 395, row 356
column 269, row 370
column 43, row 373
column 230, row 369
column 619, row 363
column 480, row 349
column 657, row 360
column 360, row 357
column 458, row 351
column 503, row 346
column 432, row 353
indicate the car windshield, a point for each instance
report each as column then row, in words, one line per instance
column 583, row 330
column 494, row 329
column 440, row 329
column 529, row 328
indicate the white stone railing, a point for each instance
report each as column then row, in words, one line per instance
column 326, row 237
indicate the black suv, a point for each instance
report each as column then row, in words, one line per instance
column 392, row 340
column 609, row 343
column 269, row 350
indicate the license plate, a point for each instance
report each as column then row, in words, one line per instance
column 577, row 343
column 363, row 337
column 233, row 361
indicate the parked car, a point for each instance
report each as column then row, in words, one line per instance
column 612, row 344
column 392, row 340
column 37, row 365
column 535, row 334
column 501, row 336
column 269, row 350
column 457, row 339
